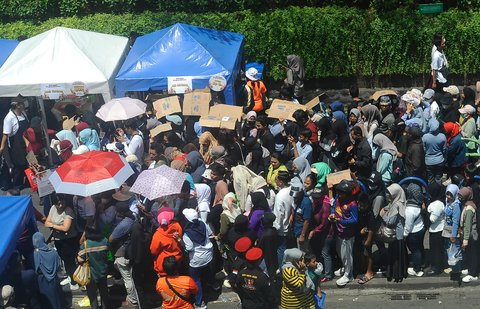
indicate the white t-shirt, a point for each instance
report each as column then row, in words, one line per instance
column 10, row 123
column 438, row 62
column 135, row 147
column 282, row 210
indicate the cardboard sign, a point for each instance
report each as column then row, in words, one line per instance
column 31, row 159
column 282, row 109
column 213, row 121
column 315, row 101
column 179, row 84
column 336, row 178
column 231, row 111
column 167, row 106
column 160, row 129
column 380, row 93
column 196, row 103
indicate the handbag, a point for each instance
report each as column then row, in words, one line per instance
column 386, row 234
column 82, row 274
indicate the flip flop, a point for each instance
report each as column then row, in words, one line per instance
column 364, row 279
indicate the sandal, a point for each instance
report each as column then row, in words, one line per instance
column 364, row 279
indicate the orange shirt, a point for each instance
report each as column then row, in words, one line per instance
column 184, row 285
column 259, row 91
column 164, row 245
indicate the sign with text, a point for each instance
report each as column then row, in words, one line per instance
column 179, row 84
column 214, row 121
column 167, row 106
column 53, row 91
column 282, row 109
column 196, row 103
column 217, row 83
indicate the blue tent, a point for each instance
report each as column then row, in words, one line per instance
column 181, row 50
column 16, row 212
column 6, row 48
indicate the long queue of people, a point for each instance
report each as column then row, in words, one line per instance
column 256, row 205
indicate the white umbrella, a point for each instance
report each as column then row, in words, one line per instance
column 121, row 109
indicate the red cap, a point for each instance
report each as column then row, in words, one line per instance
column 254, row 254
column 243, row 244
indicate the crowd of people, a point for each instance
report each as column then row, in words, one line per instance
column 257, row 213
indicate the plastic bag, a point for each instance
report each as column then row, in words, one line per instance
column 454, row 254
column 319, row 302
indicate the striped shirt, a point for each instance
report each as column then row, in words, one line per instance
column 294, row 293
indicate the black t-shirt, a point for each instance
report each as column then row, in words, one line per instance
column 254, row 289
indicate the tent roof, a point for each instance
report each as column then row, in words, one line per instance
column 182, row 50
column 62, row 55
column 6, row 48
column 15, row 212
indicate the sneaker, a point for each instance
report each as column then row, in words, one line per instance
column 65, row 281
column 325, row 279
column 84, row 302
column 447, row 270
column 74, row 287
column 339, row 272
column 343, row 281
column 412, row 272
column 469, row 278
column 201, row 306
column 465, row 272
column 227, row 284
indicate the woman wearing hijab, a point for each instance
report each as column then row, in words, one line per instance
column 372, row 118
column 321, row 169
column 342, row 141
column 268, row 243
column 434, row 144
column 230, row 212
column 195, row 166
column 355, row 119
column 276, row 165
column 295, row 77
column 393, row 216
column 387, row 154
column 203, row 199
column 296, row 287
column 260, row 206
column 468, row 223
column 301, row 168
column 451, row 227
column 47, row 264
column 66, row 149
column 249, row 128
column 414, row 230
column 68, row 135
column 163, row 241
column 455, row 149
column 436, row 209
column 180, row 165
column 95, row 249
column 207, row 141
column 89, row 138
column 196, row 240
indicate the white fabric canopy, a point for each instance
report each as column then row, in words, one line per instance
column 63, row 56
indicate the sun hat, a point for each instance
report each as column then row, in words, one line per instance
column 252, row 74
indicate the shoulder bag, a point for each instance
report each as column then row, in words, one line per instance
column 82, row 274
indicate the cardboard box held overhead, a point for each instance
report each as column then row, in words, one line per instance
column 282, row 109
column 160, row 129
column 376, row 95
column 196, row 103
column 214, row 121
column 224, row 110
column 167, row 106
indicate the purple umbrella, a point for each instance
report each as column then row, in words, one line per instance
column 158, row 182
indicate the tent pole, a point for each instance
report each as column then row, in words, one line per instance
column 45, row 131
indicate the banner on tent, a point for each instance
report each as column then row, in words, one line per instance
column 217, row 83
column 53, row 91
column 179, row 84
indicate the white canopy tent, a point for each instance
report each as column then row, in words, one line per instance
column 62, row 56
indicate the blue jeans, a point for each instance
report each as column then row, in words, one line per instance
column 282, row 246
column 327, row 248
column 415, row 245
column 199, row 273
column 47, row 204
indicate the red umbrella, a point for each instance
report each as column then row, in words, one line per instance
column 91, row 173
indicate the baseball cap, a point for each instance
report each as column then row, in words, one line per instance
column 453, row 90
column 467, row 109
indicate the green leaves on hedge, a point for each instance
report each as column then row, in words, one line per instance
column 334, row 41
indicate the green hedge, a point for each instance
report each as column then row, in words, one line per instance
column 14, row 10
column 334, row 41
